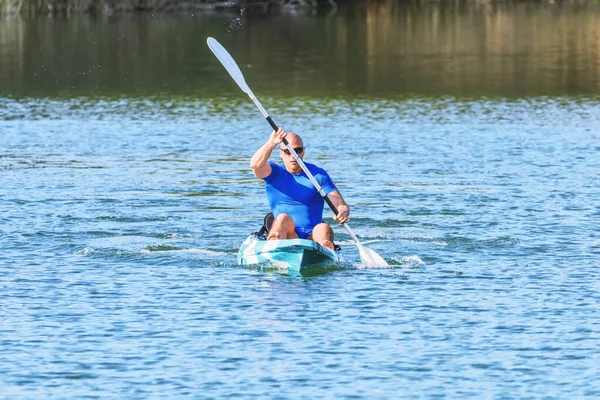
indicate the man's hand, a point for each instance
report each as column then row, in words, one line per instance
column 277, row 137
column 260, row 160
column 343, row 214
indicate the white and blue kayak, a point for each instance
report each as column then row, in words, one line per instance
column 295, row 255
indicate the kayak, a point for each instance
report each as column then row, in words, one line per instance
column 295, row 255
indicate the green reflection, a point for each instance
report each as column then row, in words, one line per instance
column 383, row 49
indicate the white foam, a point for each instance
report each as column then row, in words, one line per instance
column 414, row 259
column 87, row 251
column 206, row 252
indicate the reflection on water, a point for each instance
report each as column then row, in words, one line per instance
column 489, row 48
column 382, row 48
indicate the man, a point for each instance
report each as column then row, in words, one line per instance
column 295, row 202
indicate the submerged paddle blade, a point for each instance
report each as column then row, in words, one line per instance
column 369, row 258
column 229, row 63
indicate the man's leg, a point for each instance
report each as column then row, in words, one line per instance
column 283, row 228
column 323, row 234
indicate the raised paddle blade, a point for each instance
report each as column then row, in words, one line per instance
column 229, row 64
column 369, row 258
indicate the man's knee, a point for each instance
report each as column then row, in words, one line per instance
column 323, row 230
column 284, row 218
column 283, row 222
column 283, row 227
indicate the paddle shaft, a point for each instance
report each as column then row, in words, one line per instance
column 310, row 176
column 303, row 166
column 306, row 171
column 365, row 253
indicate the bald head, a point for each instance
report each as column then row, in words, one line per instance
column 294, row 140
column 288, row 159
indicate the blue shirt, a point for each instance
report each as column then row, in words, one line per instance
column 296, row 196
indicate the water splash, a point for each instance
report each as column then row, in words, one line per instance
column 236, row 23
column 413, row 261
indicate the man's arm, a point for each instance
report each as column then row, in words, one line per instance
column 260, row 160
column 339, row 203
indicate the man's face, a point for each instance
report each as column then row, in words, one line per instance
column 287, row 157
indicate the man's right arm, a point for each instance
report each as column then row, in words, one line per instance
column 260, row 160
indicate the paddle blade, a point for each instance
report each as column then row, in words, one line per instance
column 229, row 63
column 369, row 258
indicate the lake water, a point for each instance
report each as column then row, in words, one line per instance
column 466, row 141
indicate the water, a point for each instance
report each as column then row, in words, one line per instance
column 122, row 208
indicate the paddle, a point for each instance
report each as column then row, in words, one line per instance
column 367, row 256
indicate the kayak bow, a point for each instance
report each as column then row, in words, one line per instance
column 292, row 254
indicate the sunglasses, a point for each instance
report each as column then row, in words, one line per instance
column 298, row 150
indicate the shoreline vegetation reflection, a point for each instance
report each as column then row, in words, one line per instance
column 382, row 48
column 109, row 7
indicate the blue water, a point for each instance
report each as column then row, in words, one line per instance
column 120, row 221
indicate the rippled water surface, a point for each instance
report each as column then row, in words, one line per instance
column 126, row 192
column 121, row 221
